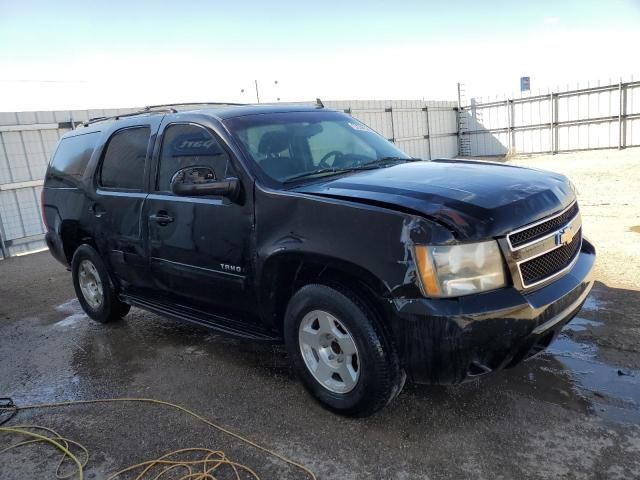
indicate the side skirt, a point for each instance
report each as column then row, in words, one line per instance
column 214, row 322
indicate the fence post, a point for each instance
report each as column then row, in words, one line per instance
column 555, row 123
column 510, row 132
column 393, row 128
column 552, row 112
column 428, row 135
column 459, row 128
column 621, row 115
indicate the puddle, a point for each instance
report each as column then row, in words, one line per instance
column 581, row 324
column 70, row 306
column 591, row 304
column 614, row 396
column 73, row 308
column 613, row 391
column 71, row 320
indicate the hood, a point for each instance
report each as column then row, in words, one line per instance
column 476, row 200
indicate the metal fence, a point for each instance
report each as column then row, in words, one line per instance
column 606, row 116
column 27, row 139
column 423, row 129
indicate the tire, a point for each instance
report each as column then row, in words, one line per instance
column 317, row 318
column 93, row 286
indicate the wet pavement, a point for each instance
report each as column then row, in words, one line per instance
column 572, row 412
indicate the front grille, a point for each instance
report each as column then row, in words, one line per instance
column 550, row 263
column 542, row 229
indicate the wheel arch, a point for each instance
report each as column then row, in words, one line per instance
column 282, row 274
column 73, row 236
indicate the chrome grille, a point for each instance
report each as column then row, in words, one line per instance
column 544, row 228
column 550, row 263
column 539, row 252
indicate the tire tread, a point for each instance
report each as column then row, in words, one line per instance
column 388, row 372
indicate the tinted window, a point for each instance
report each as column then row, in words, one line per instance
column 123, row 163
column 73, row 154
column 189, row 146
column 334, row 137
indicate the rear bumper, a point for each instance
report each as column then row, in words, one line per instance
column 453, row 340
column 55, row 247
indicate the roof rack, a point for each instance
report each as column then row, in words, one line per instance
column 164, row 108
column 196, row 103
column 132, row 114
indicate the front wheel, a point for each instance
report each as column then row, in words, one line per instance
column 93, row 287
column 340, row 351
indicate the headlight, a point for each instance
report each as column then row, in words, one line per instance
column 454, row 270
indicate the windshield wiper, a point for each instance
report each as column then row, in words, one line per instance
column 383, row 162
column 322, row 171
column 379, row 163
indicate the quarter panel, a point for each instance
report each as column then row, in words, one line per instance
column 375, row 239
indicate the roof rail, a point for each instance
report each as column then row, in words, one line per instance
column 132, row 114
column 196, row 103
column 164, row 108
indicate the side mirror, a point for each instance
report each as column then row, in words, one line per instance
column 198, row 181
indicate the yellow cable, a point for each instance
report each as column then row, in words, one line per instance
column 44, row 438
column 58, row 438
column 208, row 465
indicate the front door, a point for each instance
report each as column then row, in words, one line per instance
column 198, row 246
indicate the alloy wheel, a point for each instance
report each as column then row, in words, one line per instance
column 90, row 284
column 329, row 351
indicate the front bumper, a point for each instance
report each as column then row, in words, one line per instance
column 453, row 340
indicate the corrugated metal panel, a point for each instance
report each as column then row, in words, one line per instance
column 20, row 212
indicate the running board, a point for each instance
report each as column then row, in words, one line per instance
column 211, row 321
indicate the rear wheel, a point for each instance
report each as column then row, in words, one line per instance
column 340, row 352
column 93, row 287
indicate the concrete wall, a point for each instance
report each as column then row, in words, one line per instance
column 28, row 139
column 605, row 116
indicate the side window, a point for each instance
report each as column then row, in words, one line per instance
column 123, row 162
column 73, row 154
column 187, row 145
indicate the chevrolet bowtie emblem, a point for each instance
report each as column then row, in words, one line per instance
column 564, row 236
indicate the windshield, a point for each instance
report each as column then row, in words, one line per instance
column 295, row 145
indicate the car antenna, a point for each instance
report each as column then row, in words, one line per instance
column 319, row 103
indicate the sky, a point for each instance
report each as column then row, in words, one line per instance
column 100, row 54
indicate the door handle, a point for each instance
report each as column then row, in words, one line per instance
column 98, row 210
column 161, row 218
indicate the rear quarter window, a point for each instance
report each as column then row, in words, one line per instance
column 72, row 155
column 124, row 159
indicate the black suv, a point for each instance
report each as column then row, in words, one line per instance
column 299, row 224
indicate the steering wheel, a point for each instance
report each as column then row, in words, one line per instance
column 333, row 153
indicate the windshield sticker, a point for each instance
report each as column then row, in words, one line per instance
column 359, row 126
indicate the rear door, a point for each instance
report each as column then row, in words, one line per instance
column 121, row 188
column 199, row 254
